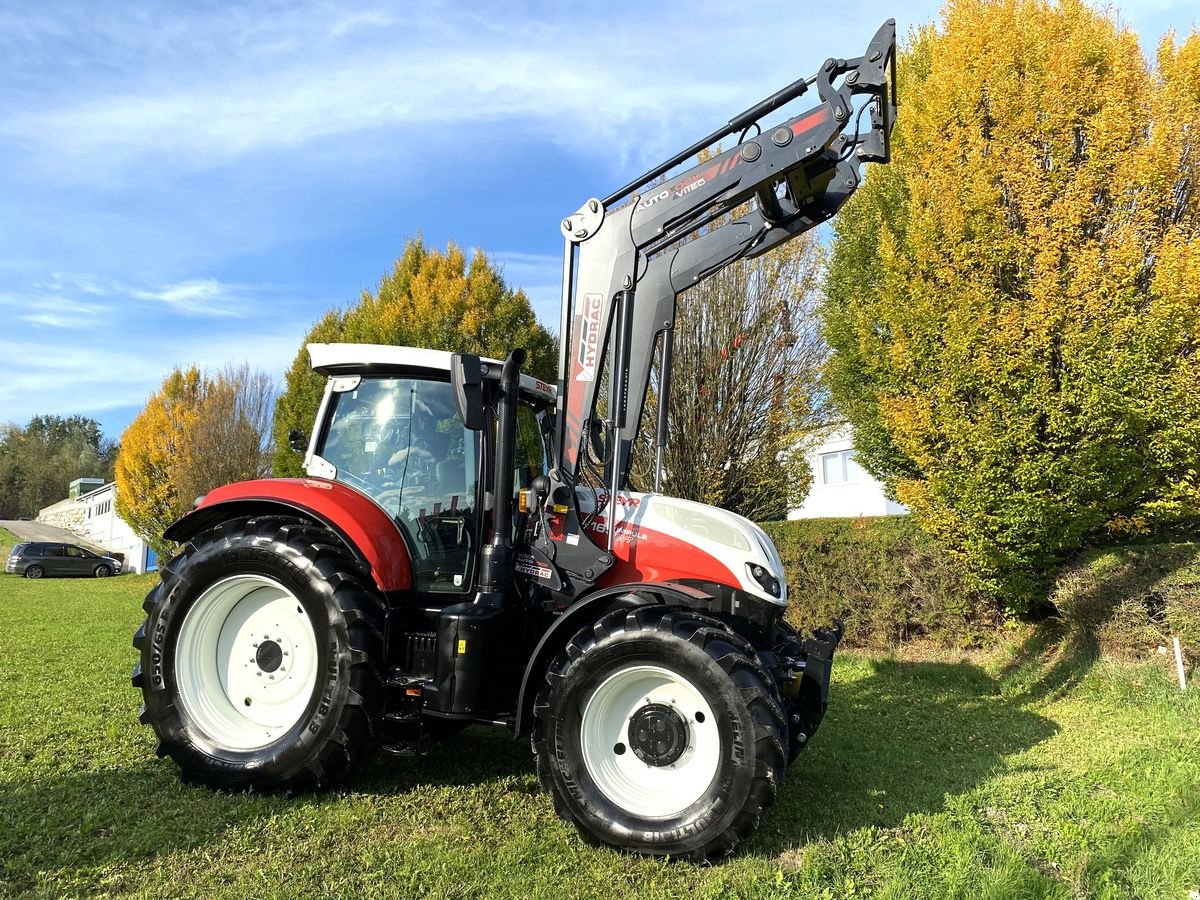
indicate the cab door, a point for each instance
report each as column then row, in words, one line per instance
column 398, row 439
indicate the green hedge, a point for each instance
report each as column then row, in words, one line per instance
column 885, row 578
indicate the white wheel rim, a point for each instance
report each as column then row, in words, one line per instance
column 651, row 791
column 246, row 662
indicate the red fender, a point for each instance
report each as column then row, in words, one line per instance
column 369, row 532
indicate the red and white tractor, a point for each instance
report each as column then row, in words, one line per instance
column 467, row 547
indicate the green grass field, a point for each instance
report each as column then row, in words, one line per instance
column 928, row 779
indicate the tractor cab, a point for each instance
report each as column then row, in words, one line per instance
column 388, row 427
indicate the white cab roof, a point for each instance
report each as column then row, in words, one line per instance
column 328, row 357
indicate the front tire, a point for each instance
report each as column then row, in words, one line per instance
column 658, row 732
column 259, row 657
column 102, row 571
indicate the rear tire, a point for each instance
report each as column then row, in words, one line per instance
column 35, row 572
column 658, row 732
column 102, row 571
column 259, row 657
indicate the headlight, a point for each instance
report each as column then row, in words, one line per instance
column 765, row 579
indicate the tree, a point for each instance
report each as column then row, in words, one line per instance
column 1014, row 302
column 744, row 393
column 147, row 497
column 38, row 462
column 230, row 438
column 429, row 299
column 196, row 433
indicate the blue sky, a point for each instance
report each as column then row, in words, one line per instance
column 197, row 182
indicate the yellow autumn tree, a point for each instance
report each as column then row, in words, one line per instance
column 430, row 299
column 198, row 432
column 147, row 496
column 1013, row 302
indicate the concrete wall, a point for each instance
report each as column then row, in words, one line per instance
column 841, row 488
column 67, row 514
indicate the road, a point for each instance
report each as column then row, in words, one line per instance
column 37, row 531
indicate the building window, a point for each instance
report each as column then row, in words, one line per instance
column 840, row 468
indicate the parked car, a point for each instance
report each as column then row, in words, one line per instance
column 39, row 558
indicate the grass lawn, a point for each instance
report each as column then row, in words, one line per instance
column 928, row 779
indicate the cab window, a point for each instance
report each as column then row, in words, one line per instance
column 400, row 441
column 530, row 456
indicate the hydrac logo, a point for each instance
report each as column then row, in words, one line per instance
column 587, row 326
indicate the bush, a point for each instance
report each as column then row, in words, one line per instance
column 885, row 578
column 1014, row 302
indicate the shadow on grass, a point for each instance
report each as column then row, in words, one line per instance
column 1113, row 598
column 93, row 819
column 98, row 818
column 896, row 741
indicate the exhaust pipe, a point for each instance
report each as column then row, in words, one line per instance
column 496, row 559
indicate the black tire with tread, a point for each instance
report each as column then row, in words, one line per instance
column 102, row 571
column 744, row 698
column 341, row 725
column 34, row 572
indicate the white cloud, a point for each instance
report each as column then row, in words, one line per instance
column 49, row 301
column 50, row 320
column 43, row 304
column 81, row 374
column 267, row 81
column 197, row 296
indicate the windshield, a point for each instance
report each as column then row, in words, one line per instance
column 400, row 441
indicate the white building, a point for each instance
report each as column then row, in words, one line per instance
column 93, row 516
column 840, row 487
column 103, row 526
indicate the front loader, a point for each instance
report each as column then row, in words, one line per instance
column 467, row 547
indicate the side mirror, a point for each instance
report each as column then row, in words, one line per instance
column 466, row 376
column 298, row 440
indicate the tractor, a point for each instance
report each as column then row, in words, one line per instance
column 468, row 548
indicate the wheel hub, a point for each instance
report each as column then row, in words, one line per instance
column 658, row 734
column 269, row 656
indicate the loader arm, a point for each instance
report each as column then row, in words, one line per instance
column 627, row 258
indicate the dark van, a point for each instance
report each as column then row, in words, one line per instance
column 36, row 559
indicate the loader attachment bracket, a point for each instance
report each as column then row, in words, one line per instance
column 802, row 668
